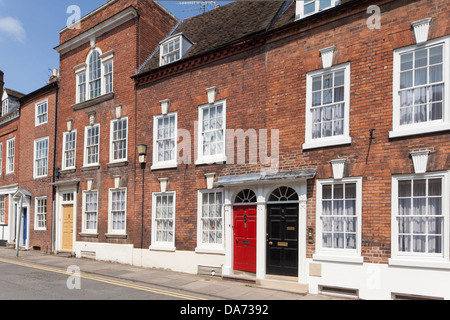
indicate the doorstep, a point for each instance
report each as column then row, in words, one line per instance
column 65, row 254
column 272, row 282
column 241, row 276
column 283, row 283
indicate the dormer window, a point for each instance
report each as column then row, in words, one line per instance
column 10, row 101
column 308, row 7
column 5, row 104
column 95, row 76
column 173, row 49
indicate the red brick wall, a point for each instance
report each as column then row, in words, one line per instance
column 240, row 80
column 267, row 90
column 7, row 131
column 132, row 43
column 38, row 187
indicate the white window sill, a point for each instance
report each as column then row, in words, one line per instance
column 425, row 128
column 40, row 177
column 117, row 163
column 40, row 124
column 162, row 248
column 211, row 160
column 169, row 165
column 318, row 143
column 420, row 263
column 210, row 251
column 116, row 235
column 345, row 258
column 91, row 234
column 90, row 167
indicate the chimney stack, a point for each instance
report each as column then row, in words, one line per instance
column 54, row 77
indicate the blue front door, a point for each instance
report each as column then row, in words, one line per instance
column 25, row 226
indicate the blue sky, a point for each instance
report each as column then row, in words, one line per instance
column 29, row 30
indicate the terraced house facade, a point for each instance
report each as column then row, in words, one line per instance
column 300, row 139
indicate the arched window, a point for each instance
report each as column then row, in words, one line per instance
column 283, row 194
column 245, row 196
column 95, row 75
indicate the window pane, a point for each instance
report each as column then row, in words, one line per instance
column 406, row 61
column 436, row 55
column 404, row 188
column 309, row 7
column 421, row 57
column 323, row 4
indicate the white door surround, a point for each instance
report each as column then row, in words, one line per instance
column 263, row 189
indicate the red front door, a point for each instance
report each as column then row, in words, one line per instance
column 245, row 238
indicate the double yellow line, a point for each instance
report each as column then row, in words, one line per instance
column 104, row 280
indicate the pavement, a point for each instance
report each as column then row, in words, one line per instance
column 216, row 288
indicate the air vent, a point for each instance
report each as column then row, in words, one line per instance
column 338, row 291
column 88, row 254
column 210, row 271
column 401, row 296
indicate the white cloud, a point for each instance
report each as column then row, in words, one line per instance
column 13, row 28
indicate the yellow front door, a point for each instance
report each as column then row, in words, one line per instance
column 67, row 230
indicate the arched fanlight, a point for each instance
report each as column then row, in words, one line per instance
column 283, row 194
column 245, row 196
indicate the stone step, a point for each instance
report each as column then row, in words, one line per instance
column 284, row 284
column 64, row 254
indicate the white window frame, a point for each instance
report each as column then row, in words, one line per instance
column 337, row 254
column 2, row 209
column 332, row 140
column 5, row 105
column 65, row 151
column 111, row 229
column 163, row 245
column 85, row 69
column 412, row 259
column 300, row 8
column 85, row 163
column 163, row 56
column 170, row 163
column 10, row 155
column 106, row 75
column 35, row 160
column 38, row 115
column 37, row 213
column 428, row 126
column 79, row 97
column 217, row 158
column 209, row 247
column 84, row 211
column 111, row 141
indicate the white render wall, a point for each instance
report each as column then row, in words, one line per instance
column 373, row 281
column 179, row 261
column 380, row 281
